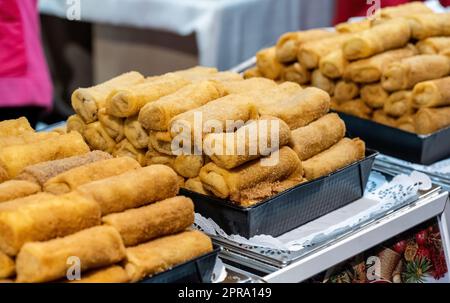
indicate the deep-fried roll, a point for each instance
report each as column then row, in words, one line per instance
column 410, row 71
column 13, row 159
column 345, row 91
column 319, row 80
column 125, row 149
column 381, row 117
column 111, row 274
column 249, row 85
column 356, row 108
column 196, row 185
column 72, row 179
column 229, row 183
column 112, row 125
column 433, row 45
column 162, row 218
column 257, row 138
column 432, row 93
column 14, row 189
column 26, row 138
column 399, row 104
column 318, row 136
column 310, row 53
column 42, row 172
column 188, row 166
column 267, row 63
column 377, row 39
column 406, row 123
column 161, row 142
column 75, row 123
column 352, row 27
column 87, row 101
column 429, row 25
column 156, row 115
column 343, row 153
column 334, row 64
column 374, row 95
column 403, row 10
column 47, row 261
column 153, row 157
column 7, row 266
column 296, row 73
column 252, row 73
column 162, row 254
column 371, row 69
column 299, row 110
column 135, row 133
column 42, row 217
column 429, row 120
column 98, row 138
column 134, row 188
column 15, row 127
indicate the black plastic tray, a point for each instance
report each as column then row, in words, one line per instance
column 198, row 270
column 289, row 209
column 421, row 149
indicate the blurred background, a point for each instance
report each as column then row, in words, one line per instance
column 89, row 41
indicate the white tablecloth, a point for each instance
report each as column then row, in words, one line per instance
column 228, row 31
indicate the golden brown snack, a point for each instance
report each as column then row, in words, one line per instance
column 406, row 123
column 75, row 123
column 374, row 95
column 255, row 139
column 319, row 80
column 97, row 137
column 249, row 85
column 343, row 153
column 433, row 45
column 15, row 127
column 403, row 10
column 47, row 261
column 430, row 120
column 252, row 73
column 381, row 117
column 125, row 149
column 334, row 64
column 162, row 254
column 43, row 217
column 289, row 43
column 127, row 102
column 160, row 142
column 159, row 219
column 87, row 101
column 15, row 189
column 26, row 138
column 356, row 108
column 134, row 188
column 310, row 53
column 188, row 166
column 153, row 157
column 296, row 73
column 13, row 159
column 267, row 63
column 410, row 71
column 42, row 172
column 156, row 115
column 318, row 136
column 352, row 27
column 399, row 104
column 194, row 73
column 196, row 185
column 429, row 25
column 135, row 133
column 345, row 91
column 229, row 183
column 432, row 93
column 220, row 77
column 112, row 125
column 377, row 39
column 299, row 110
column 232, row 107
column 371, row 69
column 72, row 179
column 112, row 274
column 7, row 266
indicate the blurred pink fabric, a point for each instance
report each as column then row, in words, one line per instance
column 24, row 75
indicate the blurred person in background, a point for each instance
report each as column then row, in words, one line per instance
column 346, row 9
column 25, row 85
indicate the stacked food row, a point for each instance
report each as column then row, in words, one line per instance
column 394, row 69
column 66, row 210
column 182, row 120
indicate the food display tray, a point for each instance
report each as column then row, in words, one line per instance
column 421, row 149
column 198, row 270
column 291, row 208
